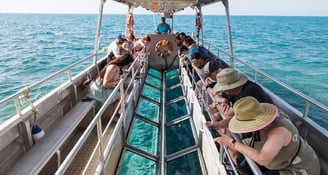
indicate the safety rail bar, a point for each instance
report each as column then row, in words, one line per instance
column 68, row 68
column 308, row 100
column 15, row 97
column 254, row 167
column 293, row 90
column 97, row 121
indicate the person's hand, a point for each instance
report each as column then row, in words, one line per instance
column 224, row 140
column 219, row 124
column 207, row 82
column 216, row 125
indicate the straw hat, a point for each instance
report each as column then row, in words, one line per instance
column 250, row 115
column 229, row 78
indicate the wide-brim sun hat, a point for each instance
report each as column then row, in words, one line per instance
column 251, row 116
column 229, row 78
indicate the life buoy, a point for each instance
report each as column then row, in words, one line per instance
column 130, row 23
column 164, row 48
column 198, row 21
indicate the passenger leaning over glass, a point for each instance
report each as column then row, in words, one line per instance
column 231, row 86
column 278, row 145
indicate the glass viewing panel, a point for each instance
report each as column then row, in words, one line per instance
column 151, row 93
column 148, row 109
column 154, row 81
column 171, row 73
column 173, row 93
column 179, row 136
column 176, row 110
column 136, row 164
column 188, row 164
column 144, row 136
column 155, row 73
column 171, row 82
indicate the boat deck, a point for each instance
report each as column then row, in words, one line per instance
column 78, row 166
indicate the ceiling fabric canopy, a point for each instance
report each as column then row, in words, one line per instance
column 166, row 6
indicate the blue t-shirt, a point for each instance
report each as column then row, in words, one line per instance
column 163, row 29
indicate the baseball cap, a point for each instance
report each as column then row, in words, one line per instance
column 120, row 36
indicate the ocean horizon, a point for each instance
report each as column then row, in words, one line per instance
column 293, row 49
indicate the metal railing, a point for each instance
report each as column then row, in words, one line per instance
column 13, row 120
column 224, row 56
column 257, row 72
column 37, row 84
column 96, row 122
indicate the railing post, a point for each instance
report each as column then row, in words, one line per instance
column 306, row 109
column 99, row 133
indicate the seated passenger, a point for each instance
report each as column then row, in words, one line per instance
column 108, row 78
column 163, row 27
column 276, row 143
column 231, row 86
column 198, row 62
column 128, row 45
column 114, row 50
column 179, row 38
column 193, row 48
column 142, row 43
column 182, row 55
column 211, row 69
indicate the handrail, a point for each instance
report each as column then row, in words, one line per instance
column 308, row 99
column 68, row 160
column 68, row 68
column 293, row 90
column 6, row 125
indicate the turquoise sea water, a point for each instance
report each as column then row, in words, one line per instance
column 292, row 49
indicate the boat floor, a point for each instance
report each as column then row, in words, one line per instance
column 80, row 161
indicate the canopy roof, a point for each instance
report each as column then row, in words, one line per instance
column 166, row 6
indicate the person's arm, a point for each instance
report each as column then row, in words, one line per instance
column 277, row 138
column 197, row 69
column 117, row 51
column 110, row 73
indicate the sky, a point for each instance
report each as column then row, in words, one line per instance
column 237, row 7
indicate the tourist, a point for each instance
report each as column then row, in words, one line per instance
column 114, row 50
column 276, row 143
column 231, row 86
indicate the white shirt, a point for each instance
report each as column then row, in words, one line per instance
column 114, row 47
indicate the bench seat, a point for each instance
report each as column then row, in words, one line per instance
column 39, row 155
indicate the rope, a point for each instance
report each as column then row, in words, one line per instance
column 26, row 98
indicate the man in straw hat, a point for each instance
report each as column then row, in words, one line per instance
column 279, row 147
column 231, row 86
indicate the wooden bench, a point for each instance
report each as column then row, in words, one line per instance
column 39, row 155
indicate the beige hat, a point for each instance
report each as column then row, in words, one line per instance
column 229, row 78
column 250, row 115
